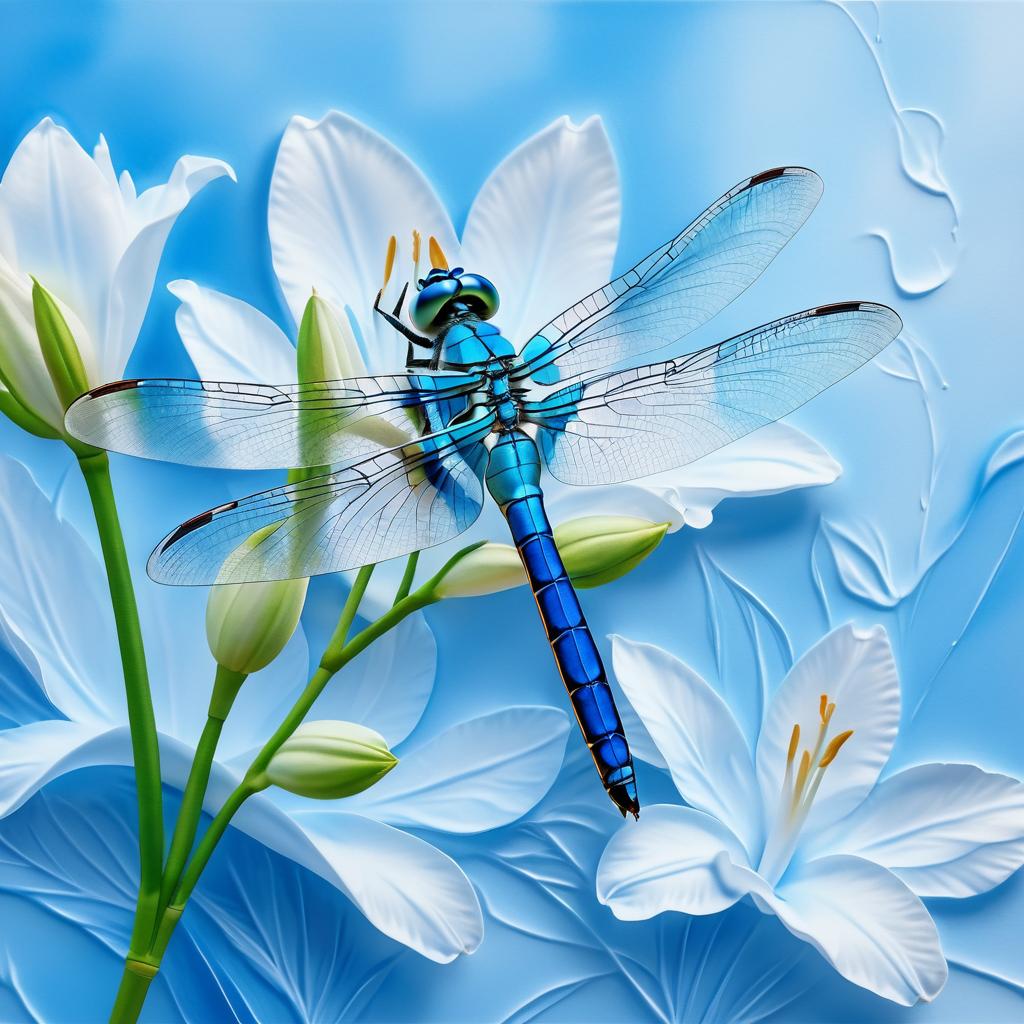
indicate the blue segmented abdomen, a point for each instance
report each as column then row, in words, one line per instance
column 513, row 478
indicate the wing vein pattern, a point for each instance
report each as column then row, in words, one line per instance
column 621, row 426
column 679, row 286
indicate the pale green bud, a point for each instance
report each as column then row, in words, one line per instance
column 594, row 549
column 34, row 335
column 326, row 349
column 328, row 760
column 599, row 549
column 248, row 624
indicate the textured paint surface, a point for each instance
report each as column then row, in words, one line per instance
column 911, row 114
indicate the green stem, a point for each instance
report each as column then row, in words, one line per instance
column 141, row 720
column 339, row 653
column 225, row 689
column 132, row 992
column 407, row 577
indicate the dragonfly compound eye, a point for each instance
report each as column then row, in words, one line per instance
column 438, row 292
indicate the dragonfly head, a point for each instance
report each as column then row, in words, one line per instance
column 443, row 294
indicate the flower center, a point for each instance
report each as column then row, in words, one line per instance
column 800, row 786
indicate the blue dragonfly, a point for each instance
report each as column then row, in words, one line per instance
column 402, row 462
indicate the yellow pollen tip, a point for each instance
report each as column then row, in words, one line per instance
column 802, row 773
column 822, row 704
column 389, row 260
column 416, row 247
column 794, row 742
column 833, row 748
column 437, row 257
column 829, row 711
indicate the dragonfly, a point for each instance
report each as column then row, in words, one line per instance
column 397, row 463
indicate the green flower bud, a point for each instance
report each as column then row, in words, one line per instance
column 35, row 343
column 60, row 353
column 327, row 350
column 595, row 550
column 329, row 760
column 248, row 624
column 599, row 549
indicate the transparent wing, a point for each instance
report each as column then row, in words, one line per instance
column 679, row 286
column 262, row 426
column 390, row 504
column 621, row 426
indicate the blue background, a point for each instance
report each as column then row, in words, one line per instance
column 695, row 97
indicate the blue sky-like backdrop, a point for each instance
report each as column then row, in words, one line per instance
column 911, row 114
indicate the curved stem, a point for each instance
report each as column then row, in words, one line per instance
column 225, row 689
column 407, row 577
column 339, row 653
column 141, row 720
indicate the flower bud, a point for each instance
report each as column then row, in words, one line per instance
column 327, row 350
column 599, row 549
column 594, row 549
column 27, row 394
column 328, row 760
column 248, row 624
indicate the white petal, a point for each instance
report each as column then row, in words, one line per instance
column 405, row 887
column 855, row 667
column 476, row 776
column 338, row 191
column 673, row 858
column 149, row 220
column 866, row 923
column 33, row 755
column 696, row 734
column 63, row 221
column 22, row 695
column 55, row 601
column 945, row 829
column 771, row 460
column 545, row 224
column 228, row 339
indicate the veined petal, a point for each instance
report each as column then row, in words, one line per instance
column 856, row 668
column 55, row 601
column 866, row 923
column 32, row 755
column 774, row 459
column 406, row 888
column 673, row 858
column 545, row 224
column 696, row 734
column 338, row 192
column 150, row 218
column 476, row 776
column 945, row 829
column 229, row 340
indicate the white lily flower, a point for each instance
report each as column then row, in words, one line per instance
column 93, row 243
column 804, row 827
column 478, row 775
column 544, row 227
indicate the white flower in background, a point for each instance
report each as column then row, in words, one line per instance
column 93, row 243
column 478, row 775
column 805, row 827
column 543, row 227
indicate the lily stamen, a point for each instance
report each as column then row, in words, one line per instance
column 389, row 261
column 416, row 240
column 437, row 256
